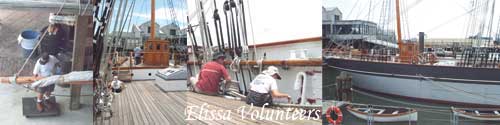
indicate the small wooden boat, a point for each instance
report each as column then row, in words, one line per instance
column 485, row 114
column 383, row 113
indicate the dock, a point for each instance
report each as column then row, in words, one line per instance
column 142, row 102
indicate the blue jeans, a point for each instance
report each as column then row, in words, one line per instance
column 137, row 60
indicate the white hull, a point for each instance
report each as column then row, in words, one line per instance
column 483, row 94
column 401, row 118
column 145, row 74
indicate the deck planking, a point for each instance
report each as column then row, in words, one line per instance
column 142, row 102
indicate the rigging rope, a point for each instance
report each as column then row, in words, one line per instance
column 253, row 35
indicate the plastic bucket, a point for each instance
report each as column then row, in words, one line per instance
column 28, row 39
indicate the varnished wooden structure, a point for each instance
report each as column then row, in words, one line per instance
column 156, row 52
column 408, row 52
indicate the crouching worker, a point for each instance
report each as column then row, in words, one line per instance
column 44, row 67
column 264, row 88
column 210, row 76
column 116, row 85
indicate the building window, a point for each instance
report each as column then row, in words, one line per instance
column 149, row 29
column 172, row 32
column 336, row 17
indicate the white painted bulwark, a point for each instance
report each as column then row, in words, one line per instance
column 144, row 74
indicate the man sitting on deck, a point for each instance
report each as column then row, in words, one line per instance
column 44, row 67
column 116, row 85
column 264, row 88
column 210, row 76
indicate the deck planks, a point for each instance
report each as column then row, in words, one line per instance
column 143, row 103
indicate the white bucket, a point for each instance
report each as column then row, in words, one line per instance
column 28, row 39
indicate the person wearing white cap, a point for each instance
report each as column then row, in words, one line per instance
column 44, row 67
column 264, row 88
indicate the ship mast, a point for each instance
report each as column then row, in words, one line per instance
column 157, row 51
column 398, row 25
column 152, row 20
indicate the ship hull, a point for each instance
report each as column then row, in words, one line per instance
column 418, row 82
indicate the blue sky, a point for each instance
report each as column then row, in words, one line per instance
column 142, row 12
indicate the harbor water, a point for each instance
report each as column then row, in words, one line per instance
column 428, row 113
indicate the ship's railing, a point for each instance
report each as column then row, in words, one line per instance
column 127, row 59
column 420, row 59
column 360, row 56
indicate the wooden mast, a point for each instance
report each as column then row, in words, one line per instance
column 152, row 20
column 407, row 51
column 398, row 25
column 156, row 50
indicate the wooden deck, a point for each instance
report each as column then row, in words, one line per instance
column 143, row 103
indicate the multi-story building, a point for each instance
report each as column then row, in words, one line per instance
column 139, row 34
column 357, row 34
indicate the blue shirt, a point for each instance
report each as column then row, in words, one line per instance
column 137, row 52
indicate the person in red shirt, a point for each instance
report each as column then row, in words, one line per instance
column 211, row 74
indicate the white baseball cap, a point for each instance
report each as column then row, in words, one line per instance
column 271, row 70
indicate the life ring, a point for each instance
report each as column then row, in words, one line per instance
column 337, row 112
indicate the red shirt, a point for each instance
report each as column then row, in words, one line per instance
column 210, row 77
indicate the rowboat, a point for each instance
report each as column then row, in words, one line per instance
column 383, row 113
column 484, row 114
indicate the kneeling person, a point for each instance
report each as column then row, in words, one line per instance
column 211, row 76
column 264, row 88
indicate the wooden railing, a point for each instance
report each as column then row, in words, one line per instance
column 420, row 59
